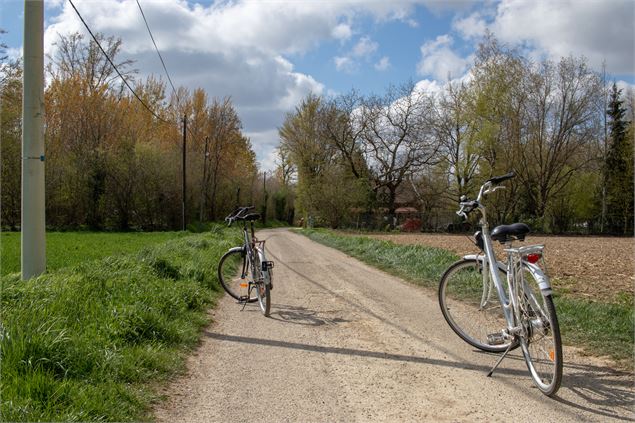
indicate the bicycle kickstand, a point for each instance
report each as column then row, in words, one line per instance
column 246, row 298
column 500, row 359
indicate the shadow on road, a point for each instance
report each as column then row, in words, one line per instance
column 301, row 316
column 357, row 352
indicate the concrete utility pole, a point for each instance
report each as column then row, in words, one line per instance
column 32, row 219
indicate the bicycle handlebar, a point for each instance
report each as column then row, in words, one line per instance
column 498, row 179
column 468, row 206
column 237, row 213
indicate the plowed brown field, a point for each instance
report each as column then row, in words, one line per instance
column 598, row 268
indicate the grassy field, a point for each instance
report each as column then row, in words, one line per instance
column 602, row 328
column 92, row 340
column 70, row 248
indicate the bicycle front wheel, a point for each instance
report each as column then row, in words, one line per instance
column 232, row 276
column 540, row 339
column 469, row 302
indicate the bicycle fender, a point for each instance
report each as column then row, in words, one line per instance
column 543, row 280
column 239, row 249
column 266, row 274
column 478, row 257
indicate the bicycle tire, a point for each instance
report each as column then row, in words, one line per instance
column 263, row 291
column 540, row 341
column 231, row 280
column 466, row 310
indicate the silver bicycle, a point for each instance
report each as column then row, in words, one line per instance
column 498, row 306
column 255, row 281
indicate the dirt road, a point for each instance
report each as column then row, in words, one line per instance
column 346, row 342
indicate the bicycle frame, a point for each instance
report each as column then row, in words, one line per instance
column 252, row 246
column 514, row 266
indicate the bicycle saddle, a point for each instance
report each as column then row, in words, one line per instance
column 504, row 233
column 249, row 217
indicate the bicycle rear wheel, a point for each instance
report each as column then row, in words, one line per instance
column 233, row 278
column 469, row 302
column 263, row 291
column 540, row 340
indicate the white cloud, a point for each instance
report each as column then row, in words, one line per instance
column 439, row 61
column 264, row 144
column 428, row 86
column 344, row 64
column 412, row 23
column 53, row 4
column 383, row 64
column 601, row 31
column 14, row 53
column 342, row 32
column 363, row 51
column 471, row 27
column 365, row 47
column 625, row 86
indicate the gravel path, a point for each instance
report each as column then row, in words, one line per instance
column 346, row 342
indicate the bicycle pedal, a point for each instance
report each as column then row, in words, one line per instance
column 244, row 285
column 496, row 338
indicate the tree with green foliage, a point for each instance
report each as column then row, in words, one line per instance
column 327, row 188
column 11, row 145
column 618, row 167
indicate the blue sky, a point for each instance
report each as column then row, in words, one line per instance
column 268, row 54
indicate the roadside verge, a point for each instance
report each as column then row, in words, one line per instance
column 90, row 342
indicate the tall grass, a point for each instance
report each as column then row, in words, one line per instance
column 71, row 248
column 602, row 328
column 87, row 342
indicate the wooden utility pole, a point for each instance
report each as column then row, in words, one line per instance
column 183, row 194
column 33, row 232
column 265, row 197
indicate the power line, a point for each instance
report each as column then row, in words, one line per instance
column 159, row 53
column 178, row 99
column 122, row 77
column 115, row 67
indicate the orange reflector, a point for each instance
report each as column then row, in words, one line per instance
column 533, row 258
column 552, row 355
column 244, row 285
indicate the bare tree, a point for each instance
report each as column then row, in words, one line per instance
column 560, row 124
column 343, row 124
column 398, row 139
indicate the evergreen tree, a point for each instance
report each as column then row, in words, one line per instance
column 619, row 168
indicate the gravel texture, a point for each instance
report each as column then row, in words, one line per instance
column 346, row 342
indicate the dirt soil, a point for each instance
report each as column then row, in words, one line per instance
column 590, row 267
column 348, row 343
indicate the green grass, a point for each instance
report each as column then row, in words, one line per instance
column 601, row 328
column 70, row 248
column 90, row 342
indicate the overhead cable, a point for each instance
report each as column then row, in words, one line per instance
column 115, row 67
column 159, row 53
